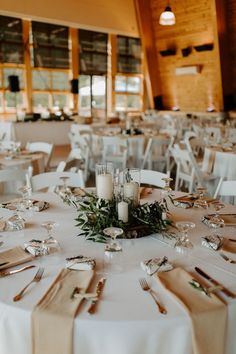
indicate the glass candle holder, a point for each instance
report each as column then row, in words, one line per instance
column 131, row 185
column 104, row 180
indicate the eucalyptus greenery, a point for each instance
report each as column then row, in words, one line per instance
column 94, row 215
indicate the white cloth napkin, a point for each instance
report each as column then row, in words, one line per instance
column 213, row 242
column 154, row 265
column 80, row 263
column 36, row 248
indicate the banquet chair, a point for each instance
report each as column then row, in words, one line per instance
column 7, row 130
column 82, row 156
column 152, row 178
column 43, row 147
column 52, row 179
column 115, row 150
column 225, row 189
column 188, row 171
column 11, row 180
column 193, row 143
column 213, row 135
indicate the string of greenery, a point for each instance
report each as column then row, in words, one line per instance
column 94, row 215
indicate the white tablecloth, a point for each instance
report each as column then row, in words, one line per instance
column 127, row 320
column 224, row 164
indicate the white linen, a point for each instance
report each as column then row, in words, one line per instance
column 127, row 320
column 224, row 165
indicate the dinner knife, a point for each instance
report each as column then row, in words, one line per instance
column 215, row 282
column 4, row 263
column 4, row 273
column 99, row 287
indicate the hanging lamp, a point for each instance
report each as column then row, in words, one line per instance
column 167, row 17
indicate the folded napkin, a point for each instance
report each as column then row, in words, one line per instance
column 208, row 313
column 186, row 202
column 229, row 219
column 214, row 242
column 80, row 263
column 53, row 316
column 38, row 205
column 13, row 257
column 153, row 265
column 2, row 225
column 36, row 248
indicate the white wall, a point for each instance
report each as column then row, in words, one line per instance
column 114, row 16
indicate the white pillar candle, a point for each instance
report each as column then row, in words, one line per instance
column 131, row 191
column 104, row 186
column 123, row 211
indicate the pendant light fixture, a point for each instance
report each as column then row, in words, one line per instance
column 167, row 17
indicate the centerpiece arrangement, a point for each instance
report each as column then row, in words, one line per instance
column 116, row 204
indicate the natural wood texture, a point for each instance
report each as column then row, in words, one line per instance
column 151, row 71
column 195, row 25
column 28, row 73
column 74, row 62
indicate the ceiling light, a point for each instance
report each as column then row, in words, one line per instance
column 167, row 17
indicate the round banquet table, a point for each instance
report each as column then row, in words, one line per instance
column 127, row 320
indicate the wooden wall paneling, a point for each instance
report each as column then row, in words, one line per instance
column 196, row 24
column 74, row 62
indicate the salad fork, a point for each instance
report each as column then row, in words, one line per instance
column 146, row 287
column 36, row 279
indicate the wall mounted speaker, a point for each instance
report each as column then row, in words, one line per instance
column 158, row 104
column 74, row 86
column 167, row 52
column 204, row 47
column 186, row 51
column 14, row 84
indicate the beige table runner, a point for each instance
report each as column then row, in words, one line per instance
column 53, row 316
column 208, row 314
column 14, row 256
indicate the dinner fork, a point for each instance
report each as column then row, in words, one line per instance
column 36, row 279
column 146, row 287
column 227, row 259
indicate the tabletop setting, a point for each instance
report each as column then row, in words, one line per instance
column 121, row 260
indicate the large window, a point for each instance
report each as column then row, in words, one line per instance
column 51, row 45
column 128, row 55
column 11, row 40
column 93, row 52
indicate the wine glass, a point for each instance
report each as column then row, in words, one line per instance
column 113, row 251
column 16, row 221
column 113, row 245
column 201, row 203
column 65, row 189
column 50, row 241
column 26, row 193
column 183, row 240
column 216, row 222
column 166, row 191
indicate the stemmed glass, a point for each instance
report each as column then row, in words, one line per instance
column 166, row 191
column 16, row 221
column 216, row 222
column 113, row 245
column 50, row 241
column 26, row 192
column 183, row 241
column 201, row 203
column 65, row 189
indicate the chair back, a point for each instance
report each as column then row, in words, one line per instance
column 153, row 178
column 43, row 147
column 225, row 188
column 53, row 179
column 115, row 149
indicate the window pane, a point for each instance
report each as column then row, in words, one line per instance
column 41, row 79
column 40, row 100
column 134, row 84
column 18, row 72
column 84, row 95
column 120, row 102
column 60, row 101
column 99, row 92
column 134, row 101
column 120, row 84
column 60, row 81
column 11, row 99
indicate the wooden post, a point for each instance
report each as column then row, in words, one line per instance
column 28, row 71
column 75, row 62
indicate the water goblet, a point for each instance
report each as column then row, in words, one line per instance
column 65, row 189
column 113, row 251
column 216, row 222
column 166, row 191
column 201, row 203
column 26, row 193
column 183, row 241
column 50, row 242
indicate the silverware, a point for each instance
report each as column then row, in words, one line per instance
column 232, row 240
column 4, row 263
column 99, row 287
column 4, row 273
column 215, row 282
column 227, row 259
column 36, row 279
column 146, row 287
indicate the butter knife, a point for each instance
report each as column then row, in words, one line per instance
column 99, row 287
column 215, row 282
column 4, row 273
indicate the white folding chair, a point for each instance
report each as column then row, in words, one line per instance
column 153, row 178
column 82, row 156
column 12, row 179
column 52, row 179
column 7, row 131
column 213, row 135
column 115, row 150
column 225, row 189
column 46, row 148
